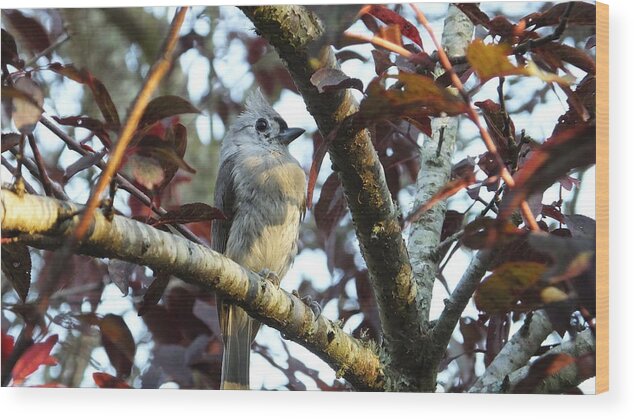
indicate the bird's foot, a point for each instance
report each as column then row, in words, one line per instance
column 270, row 276
column 308, row 301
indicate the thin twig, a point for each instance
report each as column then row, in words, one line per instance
column 525, row 46
column 450, row 239
column 533, row 43
column 156, row 73
column 491, row 203
column 124, row 181
column 380, row 42
column 14, row 172
column 473, row 116
column 43, row 178
column 48, row 50
column 31, row 166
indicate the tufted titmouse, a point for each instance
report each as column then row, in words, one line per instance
column 261, row 189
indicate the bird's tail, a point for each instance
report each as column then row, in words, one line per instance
column 237, row 329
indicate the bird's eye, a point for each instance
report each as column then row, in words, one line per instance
column 261, row 125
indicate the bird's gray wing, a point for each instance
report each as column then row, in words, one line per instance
column 224, row 199
column 235, row 324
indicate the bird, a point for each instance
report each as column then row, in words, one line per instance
column 261, row 189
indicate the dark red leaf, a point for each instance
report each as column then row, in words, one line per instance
column 501, row 127
column 573, row 148
column 120, row 273
column 154, row 293
column 554, row 53
column 83, row 163
column 9, row 50
column 541, row 369
column 98, row 89
column 370, row 23
column 485, row 232
column 88, row 123
column 420, row 95
column 6, row 347
column 552, row 212
column 390, row 17
column 320, row 148
column 581, row 14
column 582, row 104
column 34, row 357
column 31, row 32
column 473, row 12
column 16, row 265
column 497, row 336
column 382, row 61
column 331, row 206
column 9, row 140
column 103, row 380
column 501, row 26
column 345, row 55
column 118, row 342
column 164, row 107
column 367, row 302
column 104, row 102
column 329, row 79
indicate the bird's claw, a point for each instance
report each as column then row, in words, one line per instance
column 270, row 276
column 308, row 301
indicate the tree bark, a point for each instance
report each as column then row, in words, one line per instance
column 294, row 32
column 47, row 223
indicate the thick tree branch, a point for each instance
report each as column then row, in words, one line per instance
column 293, row 30
column 47, row 222
column 516, row 352
column 435, row 172
column 568, row 377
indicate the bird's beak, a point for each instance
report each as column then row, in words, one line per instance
column 289, row 134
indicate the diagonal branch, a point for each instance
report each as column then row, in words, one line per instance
column 566, row 378
column 456, row 303
column 516, row 352
column 435, row 172
column 154, row 76
column 47, row 223
column 293, row 30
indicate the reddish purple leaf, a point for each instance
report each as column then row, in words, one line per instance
column 390, row 17
column 103, row 380
column 34, row 357
column 30, row 31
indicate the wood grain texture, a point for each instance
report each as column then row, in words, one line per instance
column 602, row 200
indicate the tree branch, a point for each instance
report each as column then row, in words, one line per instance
column 568, row 377
column 124, row 181
column 516, row 352
column 435, row 172
column 154, row 76
column 293, row 30
column 456, row 303
column 49, row 222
